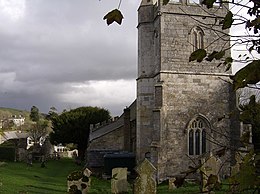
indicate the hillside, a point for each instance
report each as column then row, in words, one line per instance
column 8, row 112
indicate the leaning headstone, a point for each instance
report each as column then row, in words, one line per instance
column 79, row 181
column 145, row 183
column 119, row 182
column 210, row 169
column 172, row 185
column 239, row 156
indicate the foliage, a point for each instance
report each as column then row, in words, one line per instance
column 251, row 114
column 7, row 153
column 246, row 179
column 52, row 113
column 75, row 175
column 114, row 16
column 34, row 115
column 250, row 74
column 38, row 130
column 73, row 126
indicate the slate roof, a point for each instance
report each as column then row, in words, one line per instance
column 7, row 135
column 108, row 128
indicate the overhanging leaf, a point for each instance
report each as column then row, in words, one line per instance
column 114, row 16
column 165, row 2
column 211, row 56
column 215, row 55
column 228, row 63
column 219, row 55
column 228, row 20
column 254, row 22
column 250, row 74
column 208, row 3
column 228, row 67
column 198, row 55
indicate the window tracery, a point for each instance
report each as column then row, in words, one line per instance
column 197, row 137
column 197, row 38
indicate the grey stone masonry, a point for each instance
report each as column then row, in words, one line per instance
column 179, row 103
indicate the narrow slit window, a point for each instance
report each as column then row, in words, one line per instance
column 197, row 142
column 203, row 141
column 191, row 142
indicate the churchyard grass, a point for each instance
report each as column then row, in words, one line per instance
column 18, row 178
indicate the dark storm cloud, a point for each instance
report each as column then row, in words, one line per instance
column 53, row 44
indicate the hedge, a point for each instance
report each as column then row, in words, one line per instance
column 7, row 153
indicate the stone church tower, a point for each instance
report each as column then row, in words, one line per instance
column 179, row 103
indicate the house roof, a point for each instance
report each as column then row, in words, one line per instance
column 7, row 135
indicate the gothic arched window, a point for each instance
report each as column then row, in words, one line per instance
column 197, row 38
column 197, row 137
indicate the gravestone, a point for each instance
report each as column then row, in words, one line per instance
column 172, row 185
column 145, row 183
column 239, row 156
column 79, row 181
column 119, row 182
column 210, row 169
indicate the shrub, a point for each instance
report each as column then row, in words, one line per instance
column 7, row 153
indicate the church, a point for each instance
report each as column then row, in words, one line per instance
column 183, row 109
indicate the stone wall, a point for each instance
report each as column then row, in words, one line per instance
column 113, row 140
column 201, row 95
column 171, row 91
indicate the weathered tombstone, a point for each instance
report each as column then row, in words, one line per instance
column 119, row 182
column 29, row 159
column 239, row 155
column 79, row 181
column 210, row 169
column 172, row 185
column 235, row 168
column 145, row 183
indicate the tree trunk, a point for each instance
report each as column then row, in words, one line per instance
column 81, row 154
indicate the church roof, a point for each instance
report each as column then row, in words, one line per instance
column 105, row 129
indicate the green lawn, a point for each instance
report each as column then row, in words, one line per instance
column 18, row 178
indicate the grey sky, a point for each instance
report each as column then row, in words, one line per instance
column 61, row 53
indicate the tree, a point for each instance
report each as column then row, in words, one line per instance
column 73, row 126
column 52, row 113
column 34, row 114
column 251, row 114
column 38, row 130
